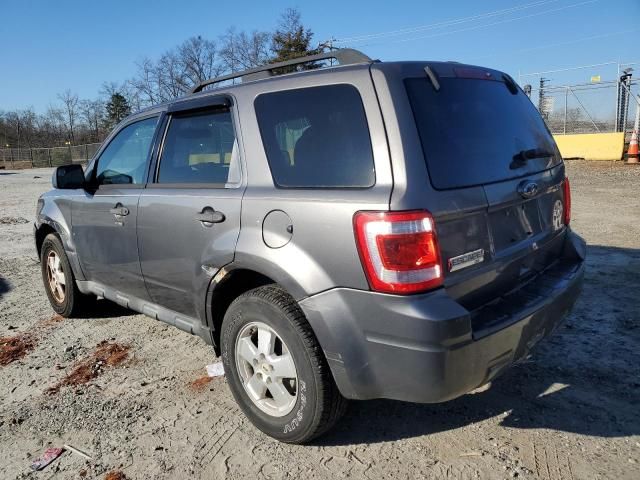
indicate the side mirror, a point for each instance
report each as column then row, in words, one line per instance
column 68, row 177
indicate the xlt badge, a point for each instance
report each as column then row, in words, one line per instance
column 466, row 260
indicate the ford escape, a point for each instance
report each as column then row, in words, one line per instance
column 364, row 230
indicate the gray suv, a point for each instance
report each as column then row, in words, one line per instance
column 356, row 230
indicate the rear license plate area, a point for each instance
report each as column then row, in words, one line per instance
column 514, row 224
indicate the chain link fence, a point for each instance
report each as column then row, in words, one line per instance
column 603, row 100
column 587, row 108
column 16, row 158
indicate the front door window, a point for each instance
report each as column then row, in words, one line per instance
column 125, row 158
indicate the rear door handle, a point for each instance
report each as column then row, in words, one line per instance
column 119, row 210
column 209, row 216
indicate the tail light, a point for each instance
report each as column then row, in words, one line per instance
column 567, row 201
column 399, row 251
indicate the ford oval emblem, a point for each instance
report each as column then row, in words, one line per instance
column 528, row 189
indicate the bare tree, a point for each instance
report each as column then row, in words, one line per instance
column 175, row 72
column 109, row 88
column 21, row 128
column 28, row 121
column 161, row 80
column 200, row 60
column 71, row 105
column 93, row 113
column 146, row 83
column 51, row 127
column 242, row 50
column 132, row 96
column 4, row 129
column 172, row 79
column 14, row 126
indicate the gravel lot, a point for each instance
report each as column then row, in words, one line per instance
column 571, row 412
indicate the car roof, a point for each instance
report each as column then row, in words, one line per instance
column 349, row 60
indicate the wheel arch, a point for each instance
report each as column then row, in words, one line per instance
column 55, row 217
column 41, row 233
column 224, row 288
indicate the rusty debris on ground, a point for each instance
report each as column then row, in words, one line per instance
column 49, row 322
column 14, row 348
column 200, row 384
column 106, row 354
column 115, row 475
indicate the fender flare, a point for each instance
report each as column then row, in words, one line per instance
column 52, row 216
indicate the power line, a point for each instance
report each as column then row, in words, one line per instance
column 445, row 23
column 570, row 68
column 560, row 44
column 450, row 32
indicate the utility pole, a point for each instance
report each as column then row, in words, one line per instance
column 622, row 107
column 329, row 45
column 542, row 102
column 566, row 102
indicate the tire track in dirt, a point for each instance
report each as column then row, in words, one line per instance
column 211, row 443
column 551, row 464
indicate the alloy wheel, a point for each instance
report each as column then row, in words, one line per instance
column 55, row 276
column 266, row 369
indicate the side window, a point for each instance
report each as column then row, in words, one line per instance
column 316, row 137
column 200, row 148
column 125, row 158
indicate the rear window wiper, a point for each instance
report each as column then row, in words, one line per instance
column 521, row 158
column 433, row 78
column 511, row 84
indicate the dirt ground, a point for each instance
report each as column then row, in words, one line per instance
column 143, row 408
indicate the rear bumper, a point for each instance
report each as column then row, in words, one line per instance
column 423, row 348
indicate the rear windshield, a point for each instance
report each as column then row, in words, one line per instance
column 472, row 131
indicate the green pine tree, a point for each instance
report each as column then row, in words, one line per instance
column 291, row 39
column 117, row 109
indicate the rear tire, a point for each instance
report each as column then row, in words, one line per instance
column 267, row 319
column 59, row 280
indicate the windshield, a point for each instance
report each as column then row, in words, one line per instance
column 475, row 131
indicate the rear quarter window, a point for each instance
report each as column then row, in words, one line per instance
column 316, row 137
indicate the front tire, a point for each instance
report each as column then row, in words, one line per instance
column 59, row 281
column 276, row 369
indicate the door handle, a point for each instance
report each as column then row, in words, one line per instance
column 210, row 216
column 119, row 210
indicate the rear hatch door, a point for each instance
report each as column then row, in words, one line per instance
column 480, row 132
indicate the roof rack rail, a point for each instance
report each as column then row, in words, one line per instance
column 344, row 56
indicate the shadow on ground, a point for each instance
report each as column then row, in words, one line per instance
column 5, row 286
column 102, row 309
column 585, row 379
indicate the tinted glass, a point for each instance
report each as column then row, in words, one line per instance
column 471, row 129
column 124, row 160
column 316, row 137
column 200, row 148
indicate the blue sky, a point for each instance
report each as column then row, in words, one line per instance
column 51, row 46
